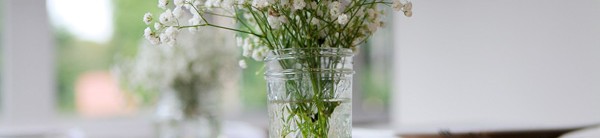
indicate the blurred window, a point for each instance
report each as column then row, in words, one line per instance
column 87, row 40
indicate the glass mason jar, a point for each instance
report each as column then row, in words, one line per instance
column 188, row 113
column 310, row 92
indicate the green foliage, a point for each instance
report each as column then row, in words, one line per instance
column 253, row 91
column 129, row 26
column 74, row 58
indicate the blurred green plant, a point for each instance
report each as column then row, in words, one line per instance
column 253, row 89
column 77, row 56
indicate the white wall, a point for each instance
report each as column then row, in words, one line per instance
column 502, row 64
column 28, row 64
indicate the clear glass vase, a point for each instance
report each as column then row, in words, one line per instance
column 188, row 113
column 310, row 93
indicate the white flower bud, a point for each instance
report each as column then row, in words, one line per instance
column 167, row 17
column 259, row 54
column 260, row 3
column 158, row 26
column 196, row 20
column 407, row 6
column 314, row 21
column 408, row 13
column 397, row 5
column 313, row 5
column 243, row 64
column 163, row 4
column 342, row 19
column 239, row 41
column 151, row 36
column 178, row 3
column 171, row 31
column 178, row 12
column 147, row 18
column 273, row 22
column 299, row 4
column 334, row 9
column 148, row 33
column 284, row 2
column 283, row 19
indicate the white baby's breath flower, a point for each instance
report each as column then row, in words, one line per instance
column 283, row 19
column 274, row 22
column 147, row 18
column 194, row 21
column 239, row 41
column 178, row 3
column 314, row 21
column 158, row 26
column 373, row 27
column 260, row 3
column 217, row 3
column 197, row 3
column 228, row 4
column 407, row 9
column 178, row 12
column 284, row 2
column 151, row 36
column 313, row 5
column 299, row 4
column 167, row 17
column 247, row 48
column 259, row 54
column 171, row 31
column 212, row 3
column 372, row 14
column 408, row 13
column 154, row 40
column 148, row 33
column 167, row 40
column 169, row 36
column 342, row 19
column 334, row 9
column 243, row 64
column 163, row 4
column 407, row 6
column 397, row 5
column 194, row 11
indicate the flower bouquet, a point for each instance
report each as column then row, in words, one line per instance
column 307, row 46
column 188, row 78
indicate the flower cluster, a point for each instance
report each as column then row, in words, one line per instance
column 201, row 59
column 275, row 24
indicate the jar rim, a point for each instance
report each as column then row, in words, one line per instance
column 275, row 54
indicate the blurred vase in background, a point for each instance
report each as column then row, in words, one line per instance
column 189, row 112
column 188, row 79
